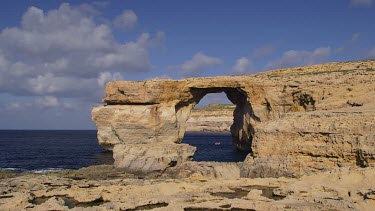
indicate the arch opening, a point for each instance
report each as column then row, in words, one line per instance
column 241, row 131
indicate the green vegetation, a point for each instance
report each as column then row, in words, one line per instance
column 211, row 107
column 323, row 72
column 370, row 69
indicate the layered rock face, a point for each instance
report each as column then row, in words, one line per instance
column 213, row 117
column 323, row 118
column 295, row 121
column 142, row 118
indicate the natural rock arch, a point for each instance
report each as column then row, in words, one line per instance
column 143, row 123
column 242, row 130
column 304, row 120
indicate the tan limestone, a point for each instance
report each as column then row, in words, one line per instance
column 296, row 121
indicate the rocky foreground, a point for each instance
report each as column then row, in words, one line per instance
column 105, row 188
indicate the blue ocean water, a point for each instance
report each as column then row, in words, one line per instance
column 51, row 150
column 48, row 150
column 207, row 150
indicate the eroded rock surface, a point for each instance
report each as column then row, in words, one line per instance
column 295, row 121
column 321, row 140
column 341, row 189
column 153, row 113
column 151, row 158
column 213, row 118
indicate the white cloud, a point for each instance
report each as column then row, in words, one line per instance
column 242, row 66
column 132, row 56
column 63, row 52
column 45, row 102
column 91, row 8
column 49, row 84
column 127, row 20
column 198, row 63
column 145, row 40
column 48, row 101
column 107, row 76
column 361, row 3
column 349, row 44
column 161, row 77
column 294, row 58
column 245, row 65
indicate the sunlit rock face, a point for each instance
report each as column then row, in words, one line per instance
column 295, row 121
column 154, row 113
column 213, row 118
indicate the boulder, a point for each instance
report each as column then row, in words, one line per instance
column 151, row 158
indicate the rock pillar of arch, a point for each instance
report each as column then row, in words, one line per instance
column 143, row 123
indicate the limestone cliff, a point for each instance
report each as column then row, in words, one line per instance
column 213, row 117
column 296, row 121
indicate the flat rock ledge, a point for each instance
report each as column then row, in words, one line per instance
column 86, row 189
column 295, row 121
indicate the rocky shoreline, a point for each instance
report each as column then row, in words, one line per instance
column 106, row 188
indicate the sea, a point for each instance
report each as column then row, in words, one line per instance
column 41, row 151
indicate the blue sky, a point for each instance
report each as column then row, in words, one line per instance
column 56, row 56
